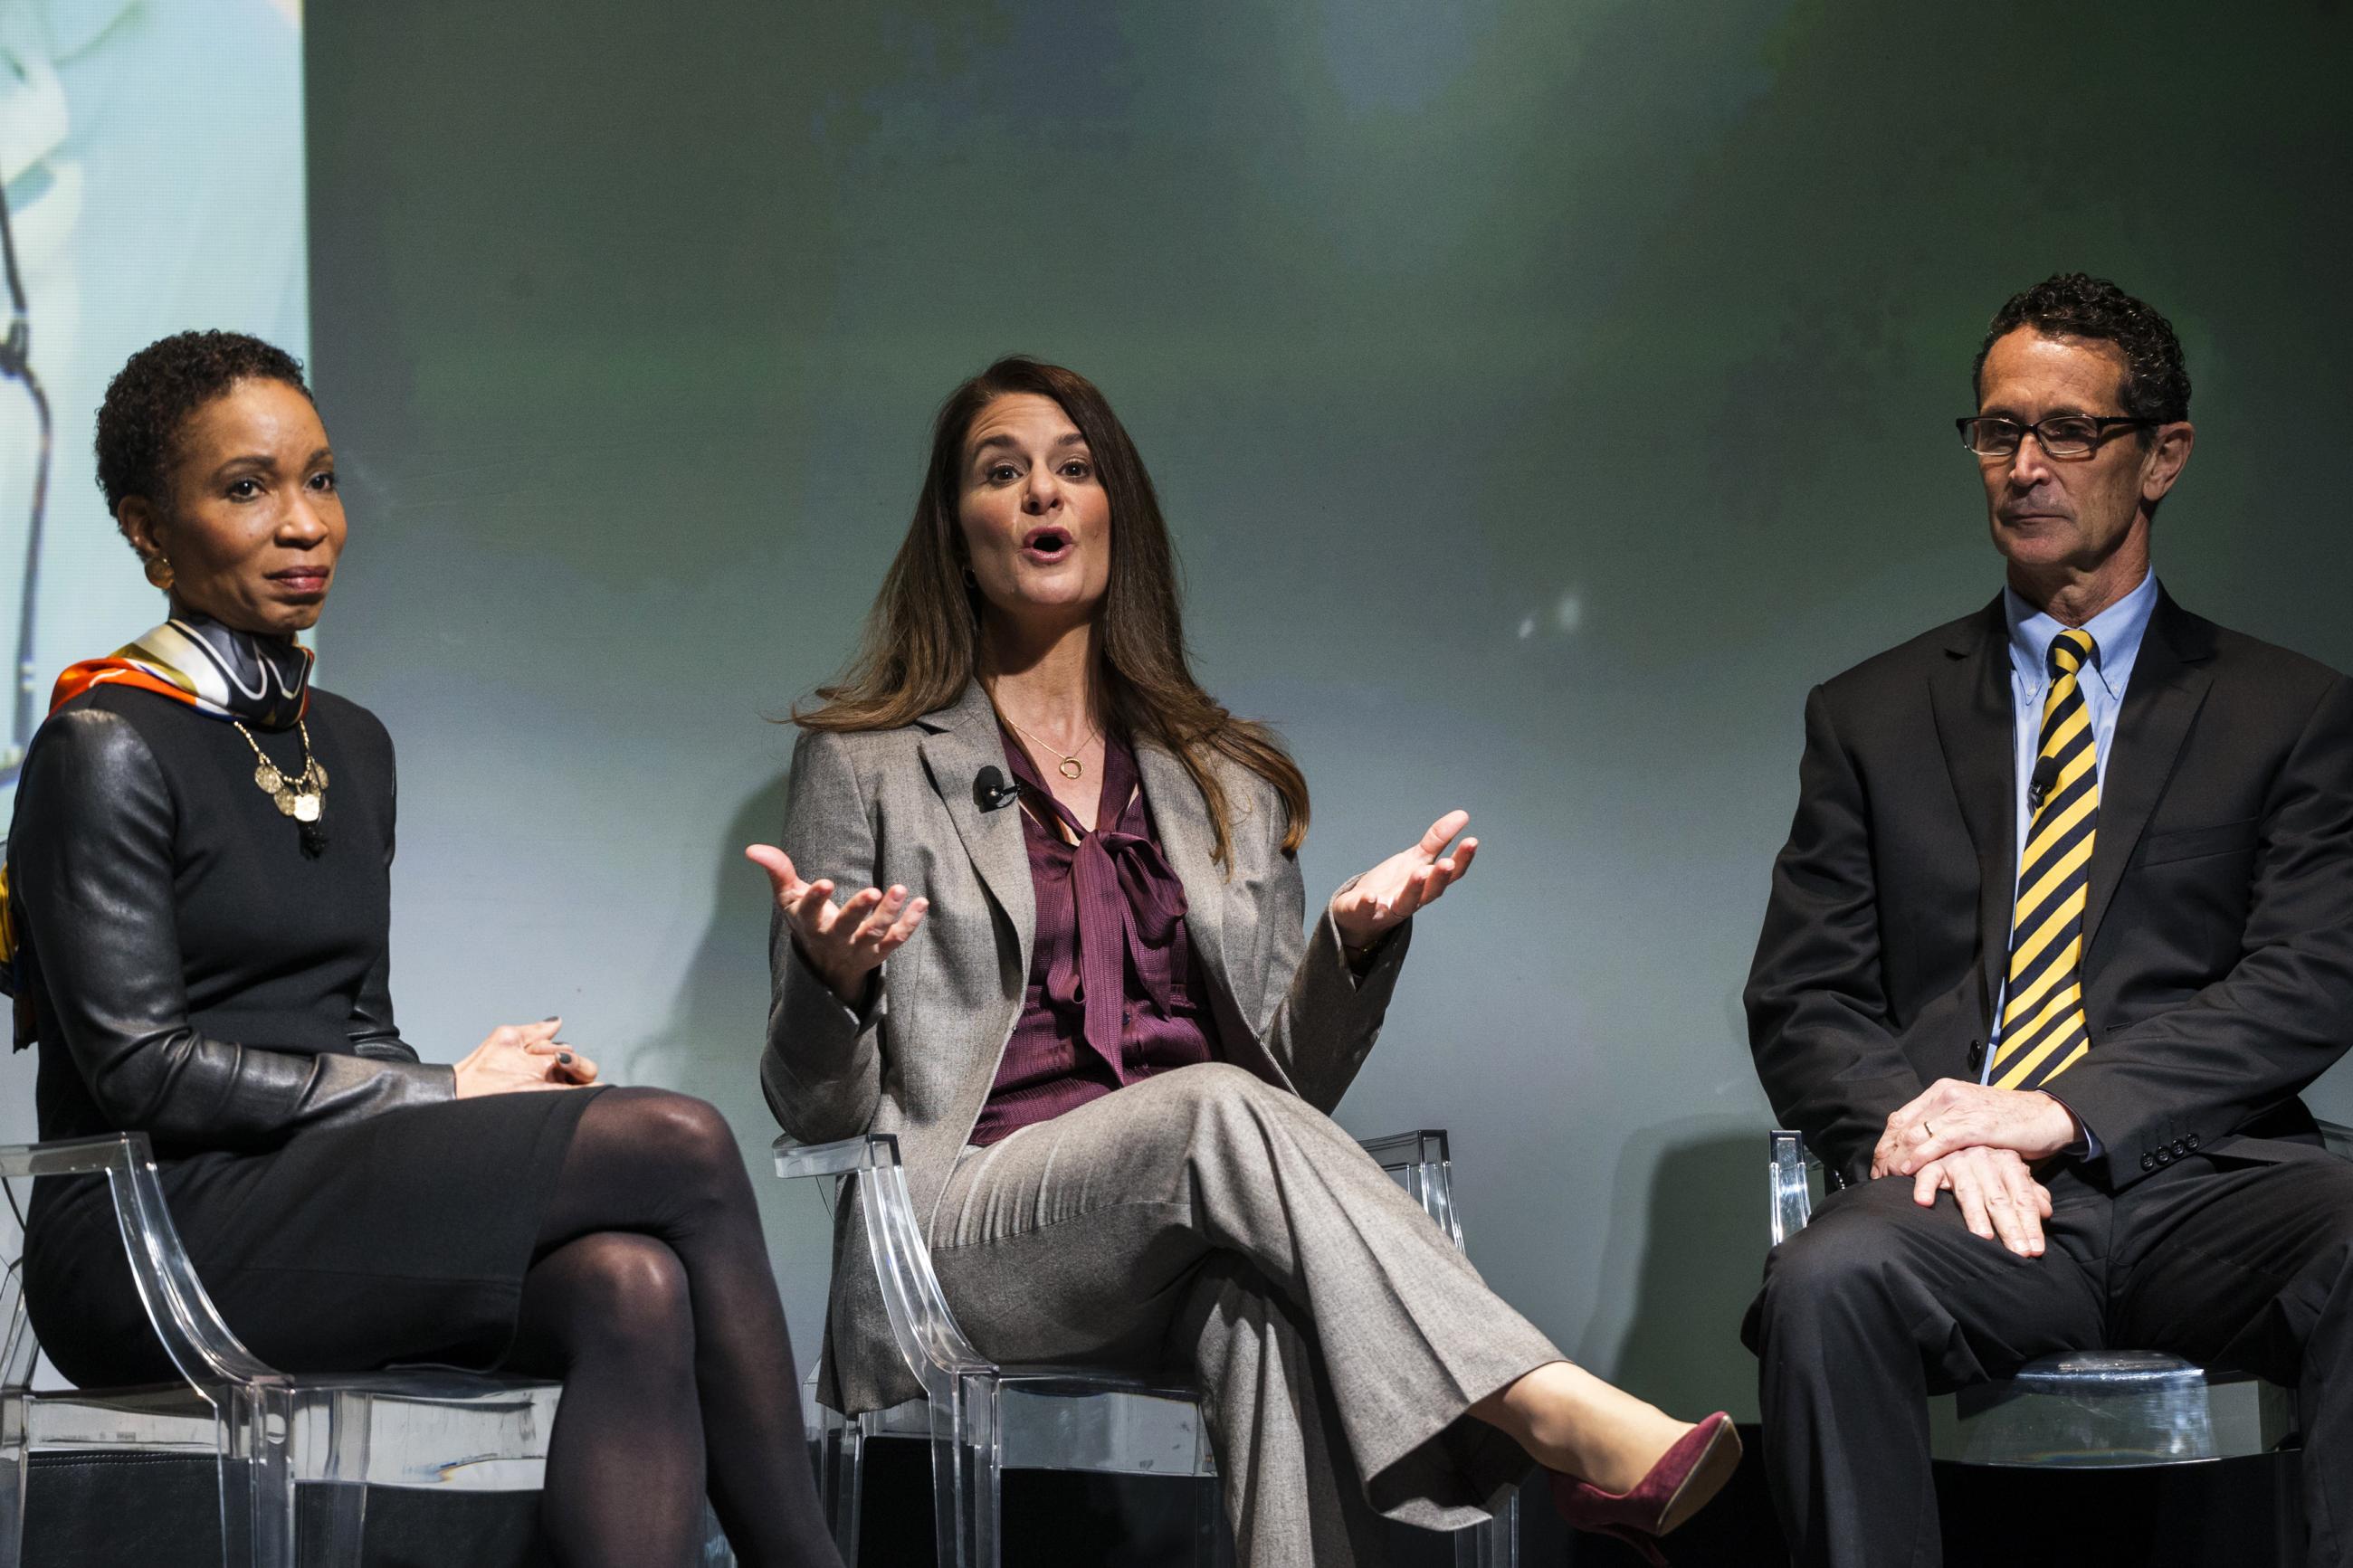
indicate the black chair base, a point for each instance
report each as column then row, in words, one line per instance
column 144, row 1510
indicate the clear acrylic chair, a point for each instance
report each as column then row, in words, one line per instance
column 2079, row 1409
column 268, row 1432
column 982, row 1418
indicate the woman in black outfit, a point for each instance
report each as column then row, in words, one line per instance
column 199, row 877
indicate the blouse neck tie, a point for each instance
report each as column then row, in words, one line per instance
column 1126, row 898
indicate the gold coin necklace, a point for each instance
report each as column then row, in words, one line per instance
column 302, row 797
column 1070, row 765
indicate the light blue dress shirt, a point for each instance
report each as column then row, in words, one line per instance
column 2116, row 633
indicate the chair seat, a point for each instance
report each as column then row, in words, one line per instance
column 2111, row 1409
column 419, row 1428
column 1069, row 1418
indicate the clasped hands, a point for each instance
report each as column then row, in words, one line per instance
column 844, row 943
column 518, row 1057
column 1980, row 1144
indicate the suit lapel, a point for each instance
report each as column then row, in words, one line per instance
column 1970, row 696
column 2169, row 685
column 962, row 742
column 1182, row 819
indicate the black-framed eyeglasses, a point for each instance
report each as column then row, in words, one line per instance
column 2060, row 436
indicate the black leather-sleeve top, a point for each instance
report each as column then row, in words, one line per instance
column 197, row 975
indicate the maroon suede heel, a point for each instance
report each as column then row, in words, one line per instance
column 1685, row 1477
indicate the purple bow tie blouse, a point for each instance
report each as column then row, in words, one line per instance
column 1115, row 993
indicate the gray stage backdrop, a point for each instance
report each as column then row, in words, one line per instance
column 1544, row 395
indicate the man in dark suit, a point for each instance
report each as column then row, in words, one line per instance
column 2063, row 926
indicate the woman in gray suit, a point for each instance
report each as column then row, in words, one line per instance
column 1068, row 971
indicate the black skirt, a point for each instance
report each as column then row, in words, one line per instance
column 401, row 1238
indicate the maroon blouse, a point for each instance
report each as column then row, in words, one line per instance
column 1115, row 993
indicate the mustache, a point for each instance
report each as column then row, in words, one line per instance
column 2032, row 505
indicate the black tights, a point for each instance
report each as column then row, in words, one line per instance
column 650, row 1296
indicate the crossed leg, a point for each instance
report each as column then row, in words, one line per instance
column 1208, row 1221
column 651, row 1295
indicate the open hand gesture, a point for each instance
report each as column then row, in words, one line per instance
column 1384, row 896
column 844, row 943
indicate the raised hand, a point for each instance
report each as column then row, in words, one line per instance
column 1386, row 895
column 517, row 1058
column 844, row 943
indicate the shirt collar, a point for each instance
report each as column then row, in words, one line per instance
column 2117, row 631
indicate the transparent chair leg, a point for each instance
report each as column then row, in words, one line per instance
column 964, row 1473
column 949, row 1483
column 984, row 1491
column 348, row 1434
column 257, row 1494
column 852, row 1504
column 346, row 1522
column 840, row 1450
column 1494, row 1544
column 1213, row 1544
column 236, row 1511
column 14, row 1452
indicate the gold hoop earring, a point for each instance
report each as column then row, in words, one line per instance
column 159, row 572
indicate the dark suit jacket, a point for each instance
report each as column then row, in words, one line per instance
column 2219, row 960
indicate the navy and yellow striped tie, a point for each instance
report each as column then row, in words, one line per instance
column 2043, row 1031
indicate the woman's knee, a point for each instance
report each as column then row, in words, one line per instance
column 619, row 1289
column 1216, row 1085
column 680, row 1138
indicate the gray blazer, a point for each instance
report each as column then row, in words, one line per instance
column 919, row 1058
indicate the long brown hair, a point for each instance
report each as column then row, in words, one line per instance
column 921, row 643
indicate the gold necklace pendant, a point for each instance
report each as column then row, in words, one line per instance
column 1070, row 766
column 302, row 797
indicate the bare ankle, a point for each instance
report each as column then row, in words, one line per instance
column 1571, row 1421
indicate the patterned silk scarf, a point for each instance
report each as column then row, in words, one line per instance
column 264, row 681
column 214, row 670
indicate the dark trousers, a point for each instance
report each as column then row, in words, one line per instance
column 2242, row 1259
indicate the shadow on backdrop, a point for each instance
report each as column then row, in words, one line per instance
column 1687, row 1256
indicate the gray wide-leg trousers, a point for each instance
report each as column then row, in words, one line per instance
column 1208, row 1223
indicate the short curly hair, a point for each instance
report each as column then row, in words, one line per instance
column 2076, row 305
column 151, row 397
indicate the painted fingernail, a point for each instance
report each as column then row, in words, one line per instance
column 565, row 1057
column 552, row 1017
